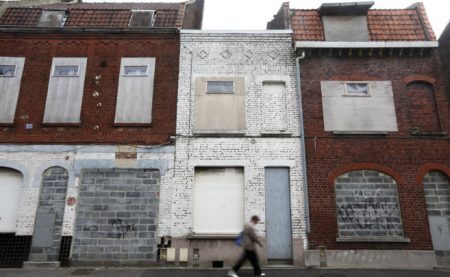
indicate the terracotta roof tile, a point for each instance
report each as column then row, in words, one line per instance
column 166, row 18
column 409, row 24
column 97, row 15
column 97, row 18
column 307, row 25
column 389, row 25
column 113, row 6
column 21, row 16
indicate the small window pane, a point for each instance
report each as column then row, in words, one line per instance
column 7, row 70
column 65, row 70
column 357, row 89
column 135, row 70
column 220, row 87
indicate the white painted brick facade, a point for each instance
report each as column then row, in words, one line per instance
column 33, row 160
column 258, row 57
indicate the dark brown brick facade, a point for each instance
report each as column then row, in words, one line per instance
column 104, row 52
column 404, row 155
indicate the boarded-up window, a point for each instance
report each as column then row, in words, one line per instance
column 135, row 94
column 274, row 107
column 65, row 90
column 52, row 19
column 423, row 111
column 141, row 19
column 345, row 28
column 343, row 112
column 10, row 77
column 219, row 104
column 368, row 207
column 218, row 200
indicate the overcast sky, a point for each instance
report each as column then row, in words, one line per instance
column 254, row 14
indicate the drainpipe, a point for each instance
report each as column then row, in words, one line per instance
column 302, row 141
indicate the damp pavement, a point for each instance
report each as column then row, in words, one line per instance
column 133, row 272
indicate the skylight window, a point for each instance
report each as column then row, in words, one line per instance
column 141, row 18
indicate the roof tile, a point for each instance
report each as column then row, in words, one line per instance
column 384, row 25
column 97, row 15
column 21, row 16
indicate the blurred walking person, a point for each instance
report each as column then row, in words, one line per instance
column 248, row 241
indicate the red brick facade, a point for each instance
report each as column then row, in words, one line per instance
column 104, row 52
column 405, row 155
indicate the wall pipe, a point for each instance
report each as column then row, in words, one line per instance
column 302, row 142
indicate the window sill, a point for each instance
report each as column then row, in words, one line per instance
column 428, row 134
column 275, row 134
column 215, row 133
column 212, row 236
column 132, row 125
column 361, row 133
column 46, row 124
column 372, row 239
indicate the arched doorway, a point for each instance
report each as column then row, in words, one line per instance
column 10, row 184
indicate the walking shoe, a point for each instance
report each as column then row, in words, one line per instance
column 231, row 273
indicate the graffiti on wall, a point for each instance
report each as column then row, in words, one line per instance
column 122, row 228
column 367, row 205
column 370, row 213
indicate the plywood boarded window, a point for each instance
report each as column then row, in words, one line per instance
column 219, row 105
column 345, row 113
column 218, row 200
column 274, row 118
column 11, row 69
column 141, row 18
column 65, row 90
column 135, row 93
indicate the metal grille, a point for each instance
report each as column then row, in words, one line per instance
column 14, row 250
column 64, row 251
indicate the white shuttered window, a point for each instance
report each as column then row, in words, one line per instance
column 65, row 90
column 11, row 69
column 218, row 200
column 135, row 93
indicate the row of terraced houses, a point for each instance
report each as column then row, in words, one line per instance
column 129, row 136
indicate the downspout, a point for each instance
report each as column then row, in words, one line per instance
column 302, row 142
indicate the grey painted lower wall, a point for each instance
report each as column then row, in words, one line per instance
column 117, row 215
column 50, row 215
column 372, row 259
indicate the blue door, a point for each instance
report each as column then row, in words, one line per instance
column 278, row 214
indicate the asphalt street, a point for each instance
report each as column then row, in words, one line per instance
column 133, row 272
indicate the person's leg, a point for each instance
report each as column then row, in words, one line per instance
column 253, row 257
column 241, row 261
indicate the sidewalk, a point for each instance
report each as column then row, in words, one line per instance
column 133, row 272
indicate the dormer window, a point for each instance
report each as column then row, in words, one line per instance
column 141, row 18
column 345, row 21
column 52, row 19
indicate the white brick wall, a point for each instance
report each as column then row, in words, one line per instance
column 259, row 57
column 33, row 160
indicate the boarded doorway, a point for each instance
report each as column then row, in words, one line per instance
column 278, row 215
